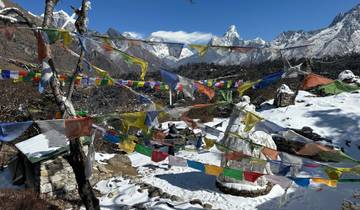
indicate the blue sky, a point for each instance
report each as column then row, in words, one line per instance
column 253, row 18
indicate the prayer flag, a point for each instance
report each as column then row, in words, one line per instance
column 5, row 74
column 158, row 156
column 143, row 150
column 107, row 45
column 201, row 49
column 233, row 173
column 130, row 60
column 45, row 77
column 175, row 49
column 251, row 176
column 209, row 143
column 170, row 78
column 65, row 35
column 245, row 86
column 270, row 153
column 134, row 119
column 303, row 182
column 127, row 146
column 196, row 165
column 267, row 80
column 77, row 127
column 234, row 155
column 213, row 170
column 177, row 161
column 150, row 118
column 42, row 47
column 12, row 130
column 205, row 90
column 328, row 182
column 112, row 138
column 312, row 149
column 335, row 173
column 250, row 121
column 187, row 86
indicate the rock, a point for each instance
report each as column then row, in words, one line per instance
column 175, row 198
column 46, row 188
column 153, row 194
column 196, row 201
column 56, row 178
column 102, row 169
column 207, row 206
column 284, row 96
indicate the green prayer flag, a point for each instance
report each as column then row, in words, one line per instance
column 104, row 82
column 29, row 76
column 233, row 173
column 335, row 156
column 53, row 35
column 143, row 150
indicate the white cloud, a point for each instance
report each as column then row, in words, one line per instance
column 183, row 37
column 133, row 34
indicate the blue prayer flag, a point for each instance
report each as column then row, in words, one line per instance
column 170, row 78
column 303, row 182
column 266, row 81
column 11, row 131
column 5, row 74
column 150, row 117
column 111, row 138
column 196, row 165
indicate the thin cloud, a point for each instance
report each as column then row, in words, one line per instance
column 133, row 34
column 183, row 37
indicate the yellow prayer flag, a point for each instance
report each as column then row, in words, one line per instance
column 200, row 48
column 335, row 173
column 209, row 143
column 328, row 182
column 65, row 35
column 98, row 81
column 245, row 86
column 134, row 119
column 102, row 73
column 213, row 170
column 250, row 121
column 127, row 146
column 143, row 65
column 141, row 84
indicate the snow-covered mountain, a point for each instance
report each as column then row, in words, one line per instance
column 339, row 38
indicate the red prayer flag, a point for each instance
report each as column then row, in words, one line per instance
column 235, row 155
column 158, row 156
column 42, row 47
column 77, row 127
column 205, row 90
column 251, row 176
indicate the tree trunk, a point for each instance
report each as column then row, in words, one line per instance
column 77, row 157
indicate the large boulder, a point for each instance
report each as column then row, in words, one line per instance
column 284, row 96
column 348, row 76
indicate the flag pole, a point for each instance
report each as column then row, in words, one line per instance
column 170, row 97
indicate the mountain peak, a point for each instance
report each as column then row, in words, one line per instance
column 232, row 33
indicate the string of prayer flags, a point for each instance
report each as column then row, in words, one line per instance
column 45, row 77
column 251, row 176
column 177, row 161
column 201, row 49
column 233, row 173
column 158, row 156
column 12, row 130
column 175, row 49
column 269, row 79
column 328, row 182
column 303, row 182
column 143, row 150
column 213, row 170
column 77, row 127
column 196, row 165
column 250, row 121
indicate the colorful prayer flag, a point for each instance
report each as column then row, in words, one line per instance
column 245, row 86
column 127, row 146
column 328, row 182
column 47, row 74
column 251, row 176
column 270, row 153
column 196, row 165
column 78, row 127
column 143, row 150
column 158, row 156
column 233, row 173
column 303, row 182
column 213, row 170
column 250, row 121
column 284, row 182
column 201, row 49
column 267, row 80
column 175, row 49
column 312, row 149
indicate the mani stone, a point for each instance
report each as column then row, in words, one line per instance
column 284, row 96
